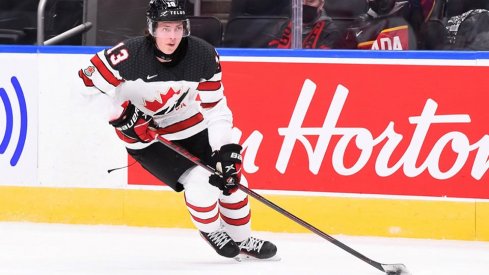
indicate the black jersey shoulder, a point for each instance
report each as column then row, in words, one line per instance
column 201, row 59
column 199, row 62
column 138, row 58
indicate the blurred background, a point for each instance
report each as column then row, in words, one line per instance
column 430, row 24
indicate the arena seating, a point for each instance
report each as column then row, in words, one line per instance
column 208, row 28
column 253, row 31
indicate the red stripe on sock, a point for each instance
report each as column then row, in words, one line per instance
column 236, row 205
column 237, row 222
column 200, row 209
column 205, row 221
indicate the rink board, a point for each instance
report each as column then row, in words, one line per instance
column 315, row 127
column 411, row 218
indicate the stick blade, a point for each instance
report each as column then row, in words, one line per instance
column 395, row 269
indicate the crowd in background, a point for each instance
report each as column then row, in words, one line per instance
column 327, row 24
column 381, row 24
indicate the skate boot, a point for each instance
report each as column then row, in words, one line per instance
column 222, row 243
column 256, row 248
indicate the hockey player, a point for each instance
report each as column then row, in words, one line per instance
column 168, row 83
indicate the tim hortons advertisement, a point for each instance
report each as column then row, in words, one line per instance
column 366, row 129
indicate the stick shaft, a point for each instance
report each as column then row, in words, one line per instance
column 311, row 227
column 184, row 153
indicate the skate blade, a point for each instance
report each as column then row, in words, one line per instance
column 248, row 258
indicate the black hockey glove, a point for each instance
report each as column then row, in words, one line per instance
column 228, row 168
column 133, row 125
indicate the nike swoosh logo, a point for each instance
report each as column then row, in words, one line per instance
column 151, row 76
column 358, row 33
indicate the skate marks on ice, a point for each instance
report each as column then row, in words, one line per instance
column 53, row 249
column 246, row 258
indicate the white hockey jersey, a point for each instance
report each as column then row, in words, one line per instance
column 183, row 97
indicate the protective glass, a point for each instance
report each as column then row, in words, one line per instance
column 159, row 29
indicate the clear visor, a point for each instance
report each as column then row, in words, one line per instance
column 169, row 28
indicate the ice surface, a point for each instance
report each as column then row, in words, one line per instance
column 54, row 249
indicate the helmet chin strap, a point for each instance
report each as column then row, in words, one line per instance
column 174, row 57
column 162, row 55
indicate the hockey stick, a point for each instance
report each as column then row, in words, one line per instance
column 389, row 269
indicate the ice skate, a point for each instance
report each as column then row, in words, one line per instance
column 254, row 248
column 222, row 243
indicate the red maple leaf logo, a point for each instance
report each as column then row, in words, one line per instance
column 157, row 104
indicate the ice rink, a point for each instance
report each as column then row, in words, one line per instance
column 54, row 249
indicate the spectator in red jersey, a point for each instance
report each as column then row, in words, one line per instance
column 383, row 27
column 318, row 30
